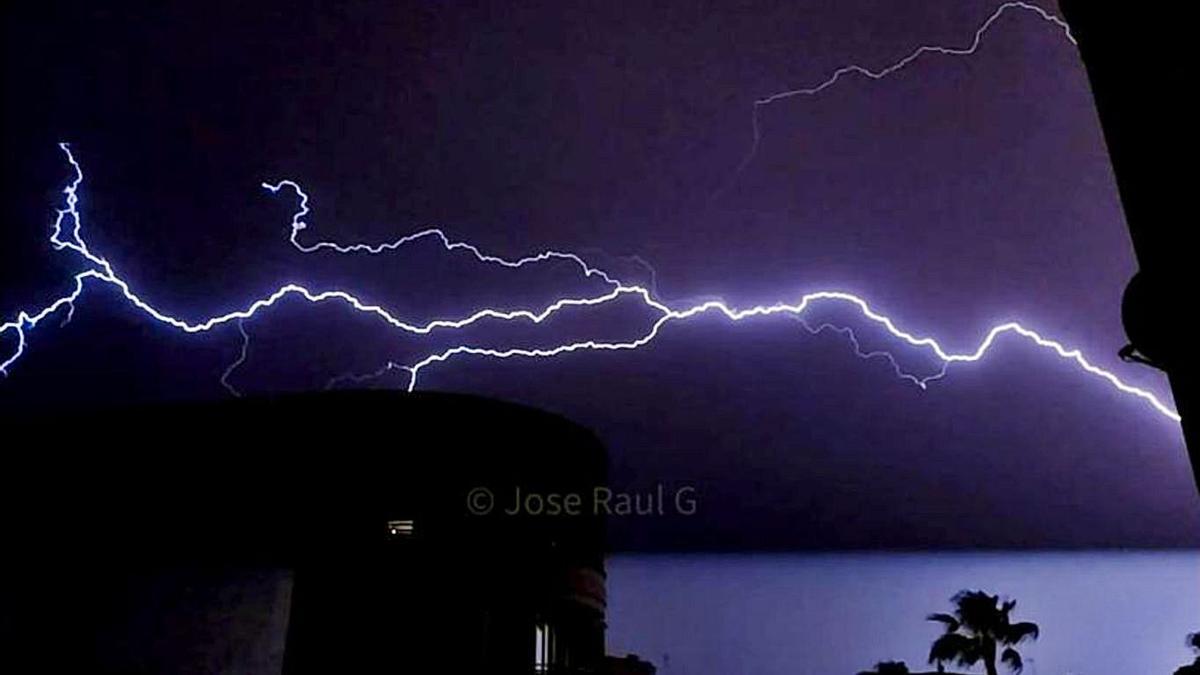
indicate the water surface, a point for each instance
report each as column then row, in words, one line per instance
column 1101, row 613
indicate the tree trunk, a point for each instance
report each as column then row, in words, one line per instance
column 989, row 658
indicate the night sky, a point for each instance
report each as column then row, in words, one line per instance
column 959, row 193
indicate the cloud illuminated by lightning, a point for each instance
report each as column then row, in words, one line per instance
column 67, row 234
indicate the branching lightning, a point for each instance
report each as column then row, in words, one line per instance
column 299, row 225
column 67, row 234
column 242, row 356
column 882, row 73
column 846, row 332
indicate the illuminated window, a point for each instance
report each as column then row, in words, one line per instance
column 541, row 648
column 400, row 528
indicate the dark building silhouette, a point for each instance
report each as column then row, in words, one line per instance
column 357, row 532
column 628, row 665
column 1136, row 61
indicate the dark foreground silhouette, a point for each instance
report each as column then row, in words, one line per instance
column 980, row 631
column 347, row 532
column 1194, row 667
column 1145, row 129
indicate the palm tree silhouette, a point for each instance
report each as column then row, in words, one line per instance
column 979, row 627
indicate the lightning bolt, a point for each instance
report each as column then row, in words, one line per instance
column 241, row 324
column 797, row 309
column 848, row 334
column 882, row 73
column 388, row 367
column 299, row 225
column 66, row 234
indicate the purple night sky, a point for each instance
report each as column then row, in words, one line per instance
column 957, row 194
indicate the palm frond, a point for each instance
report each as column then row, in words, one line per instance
column 1013, row 659
column 1016, row 632
column 950, row 622
column 954, row 647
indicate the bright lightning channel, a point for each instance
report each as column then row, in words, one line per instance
column 67, row 234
